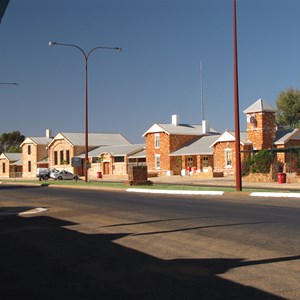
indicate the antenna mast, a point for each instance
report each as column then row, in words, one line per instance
column 201, row 82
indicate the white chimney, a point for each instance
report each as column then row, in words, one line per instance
column 48, row 133
column 205, row 126
column 175, row 120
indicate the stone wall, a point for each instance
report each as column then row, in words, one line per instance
column 259, row 177
column 29, row 159
column 262, row 132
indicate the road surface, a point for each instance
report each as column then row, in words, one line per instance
column 93, row 244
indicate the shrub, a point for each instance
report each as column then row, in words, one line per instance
column 261, row 162
column 246, row 165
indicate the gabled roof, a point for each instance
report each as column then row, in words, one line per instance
column 141, row 154
column 283, row 136
column 94, row 139
column 201, row 146
column 116, row 150
column 11, row 157
column 180, row 129
column 259, row 106
column 36, row 140
column 229, row 136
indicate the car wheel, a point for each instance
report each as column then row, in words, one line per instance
column 46, row 177
column 59, row 178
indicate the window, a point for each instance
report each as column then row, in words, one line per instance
column 157, row 161
column 228, row 158
column 204, row 161
column 95, row 160
column 55, row 158
column 119, row 159
column 3, row 168
column 61, row 156
column 68, row 157
column 157, row 140
column 190, row 161
column 29, row 166
column 29, row 149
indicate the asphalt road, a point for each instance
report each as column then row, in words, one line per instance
column 118, row 245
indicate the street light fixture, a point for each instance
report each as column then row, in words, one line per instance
column 9, row 83
column 86, row 57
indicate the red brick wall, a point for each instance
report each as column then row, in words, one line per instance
column 219, row 156
column 168, row 144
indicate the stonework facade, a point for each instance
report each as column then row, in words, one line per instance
column 261, row 129
column 158, row 156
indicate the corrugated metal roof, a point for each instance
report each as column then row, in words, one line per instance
column 94, row 139
column 180, row 129
column 18, row 163
column 259, row 106
column 201, row 146
column 12, row 156
column 116, row 150
column 229, row 136
column 41, row 140
column 283, row 136
column 37, row 140
column 138, row 154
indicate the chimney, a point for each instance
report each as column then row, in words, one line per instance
column 205, row 127
column 175, row 120
column 48, row 133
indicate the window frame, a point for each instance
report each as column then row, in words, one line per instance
column 55, row 158
column 157, row 162
column 228, row 157
column 156, row 140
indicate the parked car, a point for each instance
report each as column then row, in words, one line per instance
column 63, row 175
column 43, row 173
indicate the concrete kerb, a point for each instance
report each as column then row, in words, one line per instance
column 178, row 191
column 213, row 193
column 174, row 192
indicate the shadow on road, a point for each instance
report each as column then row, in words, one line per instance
column 20, row 186
column 41, row 259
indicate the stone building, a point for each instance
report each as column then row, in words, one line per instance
column 10, row 165
column 262, row 133
column 164, row 139
column 66, row 145
column 175, row 148
column 224, row 151
column 35, row 154
column 115, row 159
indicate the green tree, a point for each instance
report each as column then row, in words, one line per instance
column 11, row 141
column 288, row 105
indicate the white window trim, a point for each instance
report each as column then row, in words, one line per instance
column 156, row 140
column 226, row 150
column 157, row 156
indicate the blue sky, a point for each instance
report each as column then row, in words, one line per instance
column 158, row 72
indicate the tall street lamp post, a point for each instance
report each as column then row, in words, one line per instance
column 86, row 57
column 238, row 178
